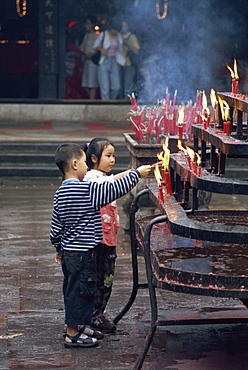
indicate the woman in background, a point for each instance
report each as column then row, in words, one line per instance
column 112, row 57
column 89, row 79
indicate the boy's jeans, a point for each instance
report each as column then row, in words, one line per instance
column 108, row 78
column 79, row 286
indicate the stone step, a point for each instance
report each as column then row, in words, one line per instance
column 35, row 171
column 21, row 159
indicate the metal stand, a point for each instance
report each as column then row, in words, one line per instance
column 152, row 284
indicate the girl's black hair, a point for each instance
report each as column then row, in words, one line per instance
column 65, row 153
column 114, row 25
column 96, row 147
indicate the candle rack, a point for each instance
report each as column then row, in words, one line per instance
column 188, row 250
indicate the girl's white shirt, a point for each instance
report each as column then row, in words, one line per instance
column 120, row 56
column 98, row 176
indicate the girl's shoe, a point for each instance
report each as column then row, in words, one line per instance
column 103, row 324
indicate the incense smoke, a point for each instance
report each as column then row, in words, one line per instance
column 189, row 49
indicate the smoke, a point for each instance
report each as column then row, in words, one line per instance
column 187, row 50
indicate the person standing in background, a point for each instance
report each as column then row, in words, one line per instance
column 131, row 49
column 89, row 78
column 109, row 43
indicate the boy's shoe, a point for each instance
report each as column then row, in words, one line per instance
column 80, row 340
column 101, row 323
column 89, row 332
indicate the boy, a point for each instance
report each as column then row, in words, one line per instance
column 75, row 232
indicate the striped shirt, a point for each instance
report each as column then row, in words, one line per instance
column 76, row 220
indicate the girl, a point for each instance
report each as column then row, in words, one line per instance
column 100, row 160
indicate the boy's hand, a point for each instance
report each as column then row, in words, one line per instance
column 58, row 258
column 144, row 170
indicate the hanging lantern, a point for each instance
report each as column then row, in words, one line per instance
column 21, row 7
column 165, row 8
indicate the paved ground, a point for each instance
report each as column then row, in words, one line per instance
column 31, row 306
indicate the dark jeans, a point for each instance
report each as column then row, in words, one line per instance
column 106, row 257
column 79, row 286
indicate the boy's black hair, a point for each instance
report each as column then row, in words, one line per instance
column 96, row 147
column 65, row 153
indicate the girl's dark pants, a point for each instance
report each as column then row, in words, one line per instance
column 106, row 257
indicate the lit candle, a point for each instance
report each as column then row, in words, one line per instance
column 235, row 84
column 160, row 194
column 167, row 182
column 198, row 171
column 227, row 127
column 189, row 162
column 180, row 132
column 194, row 166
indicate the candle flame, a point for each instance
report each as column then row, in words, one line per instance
column 205, row 102
column 213, row 98
column 234, row 72
column 157, row 175
column 191, row 153
column 180, row 115
column 224, row 108
column 164, row 156
column 231, row 71
column 235, row 67
column 180, row 147
column 198, row 159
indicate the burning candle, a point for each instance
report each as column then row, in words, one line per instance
column 189, row 162
column 160, row 193
column 235, row 85
column 198, row 168
column 180, row 132
column 214, row 103
column 194, row 166
column 167, row 182
column 234, row 76
column 227, row 127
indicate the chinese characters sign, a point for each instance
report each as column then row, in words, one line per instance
column 49, row 36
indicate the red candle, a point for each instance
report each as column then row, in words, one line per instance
column 180, row 132
column 160, row 194
column 235, row 85
column 194, row 166
column 227, row 127
column 215, row 116
column 189, row 162
column 166, row 176
column 198, row 171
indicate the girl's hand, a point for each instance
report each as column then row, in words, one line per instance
column 144, row 170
